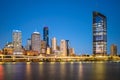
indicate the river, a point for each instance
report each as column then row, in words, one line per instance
column 60, row 71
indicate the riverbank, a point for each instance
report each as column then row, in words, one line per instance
column 58, row 59
column 81, row 62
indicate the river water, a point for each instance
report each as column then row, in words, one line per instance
column 60, row 71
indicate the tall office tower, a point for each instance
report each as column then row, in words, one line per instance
column 43, row 47
column 67, row 47
column 35, row 41
column 28, row 44
column 54, row 45
column 113, row 50
column 63, row 48
column 99, row 34
column 46, row 36
column 17, row 42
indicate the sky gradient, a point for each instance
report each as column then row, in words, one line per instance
column 66, row 19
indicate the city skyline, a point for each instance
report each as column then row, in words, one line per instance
column 70, row 20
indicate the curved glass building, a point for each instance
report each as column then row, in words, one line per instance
column 99, row 34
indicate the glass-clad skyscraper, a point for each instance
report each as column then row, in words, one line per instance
column 46, row 36
column 99, row 34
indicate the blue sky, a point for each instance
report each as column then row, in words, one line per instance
column 66, row 19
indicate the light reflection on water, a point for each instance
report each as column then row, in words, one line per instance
column 1, row 72
column 60, row 71
column 28, row 72
column 81, row 71
column 99, row 70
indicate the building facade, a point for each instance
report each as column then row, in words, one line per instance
column 35, row 41
column 54, row 45
column 113, row 50
column 99, row 34
column 8, row 49
column 28, row 47
column 43, row 47
column 67, row 44
column 71, row 51
column 48, row 51
column 46, row 36
column 17, row 42
column 63, row 48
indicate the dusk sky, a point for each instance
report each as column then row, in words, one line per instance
column 66, row 19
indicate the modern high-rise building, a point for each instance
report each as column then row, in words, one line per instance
column 99, row 34
column 43, row 47
column 54, row 44
column 35, row 41
column 46, row 36
column 17, row 42
column 28, row 47
column 113, row 50
column 67, row 41
column 63, row 48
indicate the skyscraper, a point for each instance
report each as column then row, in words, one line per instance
column 63, row 48
column 35, row 41
column 46, row 36
column 113, row 50
column 43, row 47
column 17, row 42
column 54, row 44
column 99, row 34
column 28, row 44
column 67, row 47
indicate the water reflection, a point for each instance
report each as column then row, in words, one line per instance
column 52, row 71
column 8, row 70
column 28, row 72
column 60, row 71
column 81, row 71
column 71, row 69
column 18, row 71
column 1, row 72
column 35, row 74
column 41, row 70
column 100, row 70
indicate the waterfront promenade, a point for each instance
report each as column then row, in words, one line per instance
column 25, row 58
